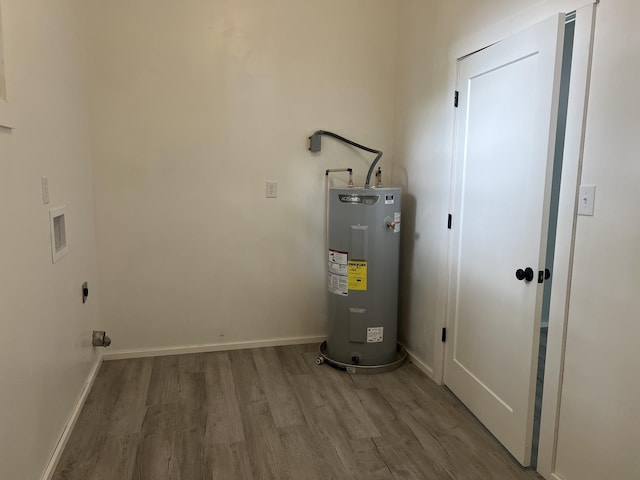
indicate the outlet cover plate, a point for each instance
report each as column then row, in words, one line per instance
column 272, row 190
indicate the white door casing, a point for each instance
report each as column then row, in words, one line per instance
column 505, row 140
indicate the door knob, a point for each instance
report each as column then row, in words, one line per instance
column 526, row 274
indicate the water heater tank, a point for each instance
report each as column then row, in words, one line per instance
column 364, row 250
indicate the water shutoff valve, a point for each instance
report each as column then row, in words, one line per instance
column 100, row 339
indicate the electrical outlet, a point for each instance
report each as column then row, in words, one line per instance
column 272, row 190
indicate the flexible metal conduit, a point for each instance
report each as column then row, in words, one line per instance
column 315, row 147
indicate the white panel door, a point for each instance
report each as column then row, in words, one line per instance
column 505, row 137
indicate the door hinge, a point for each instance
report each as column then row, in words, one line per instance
column 455, row 98
column 444, row 334
column 449, row 221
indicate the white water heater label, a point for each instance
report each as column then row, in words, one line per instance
column 338, row 284
column 338, row 262
column 396, row 222
column 338, row 281
column 389, row 200
column 375, row 334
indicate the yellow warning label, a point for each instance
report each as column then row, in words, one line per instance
column 357, row 275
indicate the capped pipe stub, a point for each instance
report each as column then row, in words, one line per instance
column 99, row 338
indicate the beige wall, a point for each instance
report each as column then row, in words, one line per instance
column 598, row 418
column 45, row 330
column 195, row 105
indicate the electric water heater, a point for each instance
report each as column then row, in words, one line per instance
column 363, row 257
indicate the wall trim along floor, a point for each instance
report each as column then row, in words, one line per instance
column 423, row 367
column 71, row 422
column 212, row 347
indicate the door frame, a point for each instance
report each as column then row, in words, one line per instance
column 565, row 235
column 567, row 207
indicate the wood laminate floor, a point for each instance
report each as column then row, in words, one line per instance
column 271, row 413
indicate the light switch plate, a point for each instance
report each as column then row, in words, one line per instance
column 586, row 199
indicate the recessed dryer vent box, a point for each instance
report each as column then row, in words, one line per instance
column 59, row 247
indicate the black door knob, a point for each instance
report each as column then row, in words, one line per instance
column 526, row 274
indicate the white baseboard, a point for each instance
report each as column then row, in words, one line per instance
column 423, row 367
column 73, row 418
column 556, row 477
column 213, row 347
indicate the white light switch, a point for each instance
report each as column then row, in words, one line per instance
column 586, row 199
